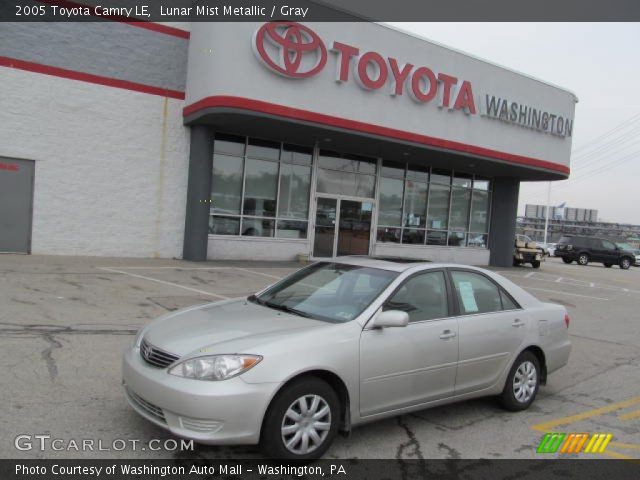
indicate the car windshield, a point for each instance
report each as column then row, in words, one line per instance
column 331, row 292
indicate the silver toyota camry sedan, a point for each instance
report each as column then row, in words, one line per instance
column 340, row 343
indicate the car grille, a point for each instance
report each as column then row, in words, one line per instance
column 150, row 408
column 155, row 356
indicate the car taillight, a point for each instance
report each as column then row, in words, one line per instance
column 566, row 320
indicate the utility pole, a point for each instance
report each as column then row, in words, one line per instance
column 546, row 216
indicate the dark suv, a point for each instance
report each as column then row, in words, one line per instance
column 592, row 249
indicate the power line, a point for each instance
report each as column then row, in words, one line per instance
column 626, row 123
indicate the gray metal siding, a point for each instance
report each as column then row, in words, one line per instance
column 110, row 49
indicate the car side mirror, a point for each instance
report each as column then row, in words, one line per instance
column 391, row 318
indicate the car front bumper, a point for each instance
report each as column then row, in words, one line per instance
column 227, row 412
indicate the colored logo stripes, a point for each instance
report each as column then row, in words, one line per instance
column 574, row 443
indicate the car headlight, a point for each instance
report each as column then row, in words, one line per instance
column 215, row 367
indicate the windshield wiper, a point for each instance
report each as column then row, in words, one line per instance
column 284, row 308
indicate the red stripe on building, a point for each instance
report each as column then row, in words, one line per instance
column 89, row 78
column 323, row 119
column 155, row 27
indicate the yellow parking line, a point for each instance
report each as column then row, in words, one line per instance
column 630, row 415
column 613, row 454
column 630, row 446
column 550, row 425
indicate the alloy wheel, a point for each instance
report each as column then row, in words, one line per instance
column 525, row 381
column 306, row 424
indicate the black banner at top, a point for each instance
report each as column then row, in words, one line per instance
column 320, row 10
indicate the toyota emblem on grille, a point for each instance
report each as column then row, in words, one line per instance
column 290, row 49
column 145, row 349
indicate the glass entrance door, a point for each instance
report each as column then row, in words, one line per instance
column 342, row 227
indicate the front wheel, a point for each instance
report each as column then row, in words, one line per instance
column 535, row 264
column 625, row 263
column 522, row 384
column 302, row 421
column 583, row 259
column 607, row 265
column 566, row 260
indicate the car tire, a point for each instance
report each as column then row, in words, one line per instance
column 607, row 265
column 583, row 259
column 535, row 264
column 566, row 260
column 625, row 263
column 522, row 383
column 516, row 263
column 287, row 405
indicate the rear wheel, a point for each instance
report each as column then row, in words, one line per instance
column 522, row 384
column 535, row 264
column 607, row 265
column 566, row 260
column 302, row 421
column 583, row 259
column 625, row 263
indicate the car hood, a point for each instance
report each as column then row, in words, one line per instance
column 215, row 325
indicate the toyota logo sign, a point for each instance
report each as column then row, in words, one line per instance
column 290, row 49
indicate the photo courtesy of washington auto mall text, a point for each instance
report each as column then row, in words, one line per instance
column 337, row 239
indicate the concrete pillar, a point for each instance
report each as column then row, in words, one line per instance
column 196, row 225
column 502, row 231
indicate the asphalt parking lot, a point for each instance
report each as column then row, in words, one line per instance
column 64, row 322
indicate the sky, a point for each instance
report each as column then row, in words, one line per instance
column 599, row 63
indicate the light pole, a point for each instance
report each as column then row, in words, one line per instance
column 546, row 213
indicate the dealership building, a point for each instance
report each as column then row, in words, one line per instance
column 266, row 141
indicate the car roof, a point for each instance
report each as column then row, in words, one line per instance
column 396, row 264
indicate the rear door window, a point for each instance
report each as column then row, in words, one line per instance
column 475, row 293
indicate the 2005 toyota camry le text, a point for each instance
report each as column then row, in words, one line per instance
column 338, row 344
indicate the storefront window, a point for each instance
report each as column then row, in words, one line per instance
column 389, row 234
column 258, row 227
column 454, row 208
column 438, row 215
column 414, row 236
column 224, row 225
column 435, row 237
column 261, row 185
column 342, row 174
column 479, row 211
column 460, row 204
column 226, row 190
column 295, row 181
column 270, row 181
column 291, row 229
column 415, row 204
column 390, row 202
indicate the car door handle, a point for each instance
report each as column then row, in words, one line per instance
column 447, row 334
column 518, row 323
